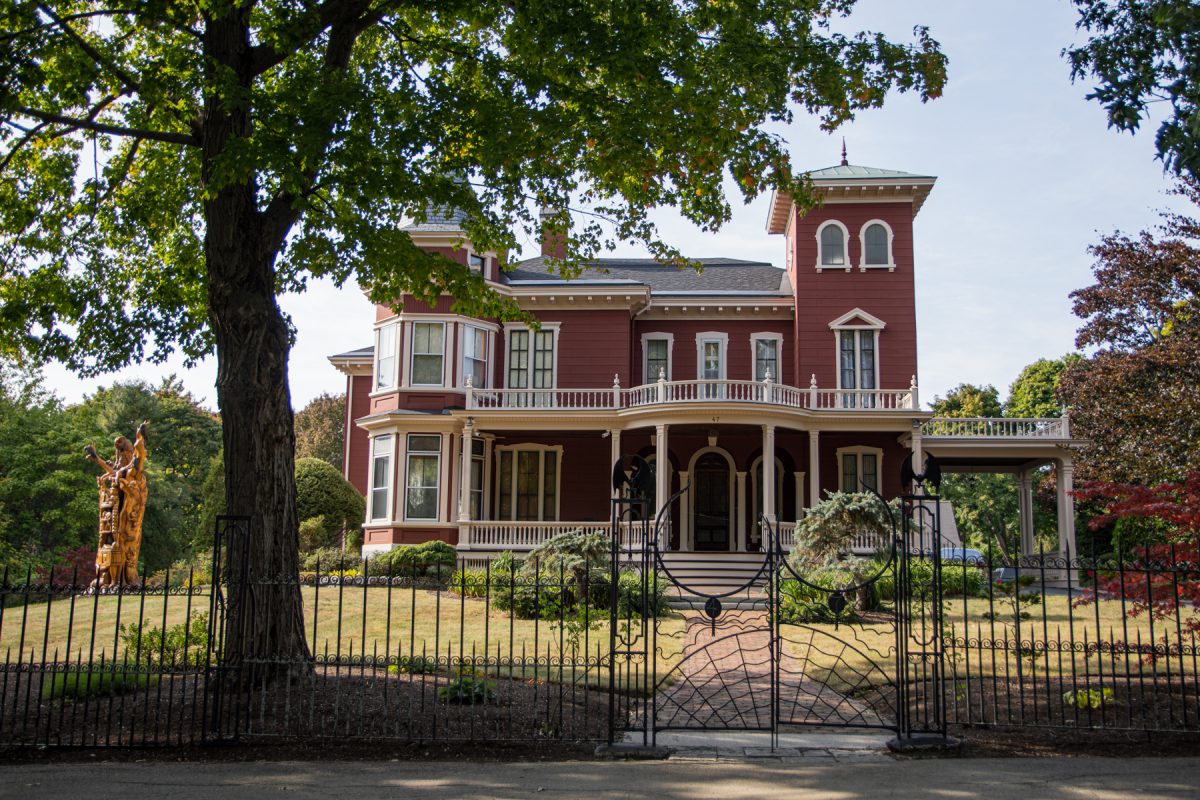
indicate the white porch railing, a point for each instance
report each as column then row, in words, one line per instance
column 575, row 399
column 521, row 536
column 997, row 428
column 698, row 391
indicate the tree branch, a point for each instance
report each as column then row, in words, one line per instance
column 329, row 14
column 281, row 213
column 115, row 130
column 126, row 77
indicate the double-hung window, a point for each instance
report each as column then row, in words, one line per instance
column 385, row 357
column 428, row 348
column 831, row 246
column 859, row 469
column 710, row 361
column 474, row 355
column 856, row 349
column 424, row 464
column 766, row 357
column 531, row 364
column 876, row 240
column 381, row 477
column 857, row 367
column 656, row 350
column 528, row 484
column 477, row 465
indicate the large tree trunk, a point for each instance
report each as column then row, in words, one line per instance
column 252, row 380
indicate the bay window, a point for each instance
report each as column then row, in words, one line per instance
column 474, row 356
column 428, row 347
column 424, row 465
column 381, row 478
column 385, row 357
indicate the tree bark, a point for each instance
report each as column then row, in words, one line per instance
column 252, row 379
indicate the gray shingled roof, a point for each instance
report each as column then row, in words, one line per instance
column 362, row 352
column 439, row 219
column 720, row 275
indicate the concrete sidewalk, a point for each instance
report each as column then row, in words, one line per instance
column 828, row 779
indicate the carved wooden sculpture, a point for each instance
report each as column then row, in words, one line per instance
column 122, row 506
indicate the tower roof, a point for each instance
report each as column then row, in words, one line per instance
column 849, row 182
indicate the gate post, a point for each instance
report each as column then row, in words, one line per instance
column 920, row 652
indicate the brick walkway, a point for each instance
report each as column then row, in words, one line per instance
column 724, row 680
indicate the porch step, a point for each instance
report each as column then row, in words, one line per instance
column 699, row 574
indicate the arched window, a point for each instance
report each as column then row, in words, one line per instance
column 831, row 246
column 876, row 242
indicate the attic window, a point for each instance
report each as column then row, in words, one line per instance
column 876, row 242
column 831, row 246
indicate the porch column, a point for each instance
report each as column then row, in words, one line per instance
column 739, row 499
column 464, row 483
column 662, row 476
column 1066, row 507
column 614, row 437
column 1025, row 510
column 768, row 487
column 685, row 515
column 918, row 455
column 814, row 468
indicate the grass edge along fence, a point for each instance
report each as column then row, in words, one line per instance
column 416, row 650
column 437, row 651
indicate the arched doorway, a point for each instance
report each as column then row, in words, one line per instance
column 711, row 482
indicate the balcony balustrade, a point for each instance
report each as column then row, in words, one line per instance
column 697, row 391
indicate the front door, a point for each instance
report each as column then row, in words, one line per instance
column 711, row 488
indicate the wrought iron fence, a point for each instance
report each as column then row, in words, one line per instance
column 436, row 651
column 1057, row 640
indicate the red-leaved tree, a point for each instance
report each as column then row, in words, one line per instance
column 1160, row 579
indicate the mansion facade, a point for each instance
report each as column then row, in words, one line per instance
column 757, row 387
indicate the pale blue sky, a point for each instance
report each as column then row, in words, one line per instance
column 1028, row 176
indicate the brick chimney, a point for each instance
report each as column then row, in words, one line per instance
column 554, row 244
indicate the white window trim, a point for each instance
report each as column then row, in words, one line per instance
column 391, row 475
column 769, row 336
column 859, row 451
column 397, row 366
column 712, row 336
column 845, row 246
column 411, row 352
column 863, row 266
column 669, row 338
column 460, row 375
column 552, row 327
column 867, row 322
column 441, row 455
column 539, row 448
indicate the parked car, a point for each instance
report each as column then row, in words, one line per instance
column 963, row 555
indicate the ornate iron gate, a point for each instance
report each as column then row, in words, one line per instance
column 776, row 649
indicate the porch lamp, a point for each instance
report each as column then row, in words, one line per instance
column 712, row 438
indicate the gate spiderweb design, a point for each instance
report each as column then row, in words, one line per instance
column 723, row 681
column 834, row 680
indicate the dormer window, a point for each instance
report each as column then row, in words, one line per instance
column 831, row 246
column 876, row 240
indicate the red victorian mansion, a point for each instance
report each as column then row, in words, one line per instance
column 760, row 388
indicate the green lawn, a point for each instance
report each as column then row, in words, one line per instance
column 347, row 622
column 989, row 647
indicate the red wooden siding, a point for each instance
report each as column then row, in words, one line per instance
column 357, row 466
column 821, row 298
column 739, row 360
